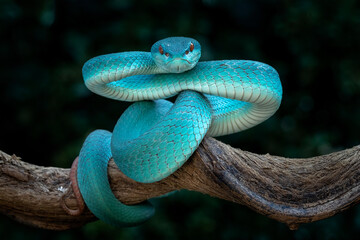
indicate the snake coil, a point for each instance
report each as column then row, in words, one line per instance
column 154, row 137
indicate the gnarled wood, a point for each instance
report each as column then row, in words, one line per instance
column 292, row 191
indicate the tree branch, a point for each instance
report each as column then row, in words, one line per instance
column 292, row 191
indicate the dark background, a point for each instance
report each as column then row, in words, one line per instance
column 46, row 111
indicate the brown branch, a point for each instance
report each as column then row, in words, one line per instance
column 292, row 191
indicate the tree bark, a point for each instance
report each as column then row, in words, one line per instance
column 292, row 191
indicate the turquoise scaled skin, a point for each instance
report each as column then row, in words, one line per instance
column 154, row 137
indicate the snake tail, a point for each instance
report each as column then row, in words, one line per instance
column 95, row 188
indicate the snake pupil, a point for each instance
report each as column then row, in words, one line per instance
column 161, row 50
column 191, row 47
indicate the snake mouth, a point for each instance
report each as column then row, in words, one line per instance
column 178, row 60
column 179, row 65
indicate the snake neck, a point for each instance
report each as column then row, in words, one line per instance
column 102, row 71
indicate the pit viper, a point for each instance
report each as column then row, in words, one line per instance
column 154, row 137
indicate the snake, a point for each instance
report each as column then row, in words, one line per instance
column 154, row 136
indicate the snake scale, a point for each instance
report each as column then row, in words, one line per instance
column 154, row 137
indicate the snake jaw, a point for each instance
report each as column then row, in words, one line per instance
column 179, row 65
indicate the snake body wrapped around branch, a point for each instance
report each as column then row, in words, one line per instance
column 154, row 137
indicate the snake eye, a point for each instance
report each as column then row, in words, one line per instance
column 161, row 50
column 186, row 52
column 191, row 47
column 167, row 54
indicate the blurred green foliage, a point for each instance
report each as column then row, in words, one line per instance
column 46, row 111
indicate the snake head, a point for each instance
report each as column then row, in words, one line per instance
column 176, row 54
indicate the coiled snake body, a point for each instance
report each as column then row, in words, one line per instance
column 154, row 137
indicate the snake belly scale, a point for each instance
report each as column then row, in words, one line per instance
column 154, row 137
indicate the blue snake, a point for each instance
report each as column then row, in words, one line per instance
column 154, row 137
